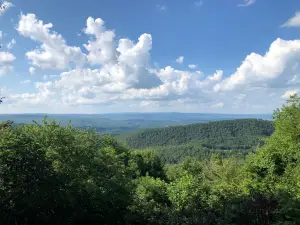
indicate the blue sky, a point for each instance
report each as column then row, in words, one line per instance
column 95, row 56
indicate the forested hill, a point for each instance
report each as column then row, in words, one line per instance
column 53, row 174
column 220, row 134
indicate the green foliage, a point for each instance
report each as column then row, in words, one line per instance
column 150, row 203
column 149, row 163
column 263, row 189
column 172, row 154
column 55, row 175
column 274, row 170
column 243, row 133
column 51, row 174
column 201, row 141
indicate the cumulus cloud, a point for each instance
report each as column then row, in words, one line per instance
column 6, row 60
column 180, row 59
column 217, row 76
column 32, row 70
column 246, row 3
column 118, row 72
column 293, row 22
column 11, row 44
column 289, row 93
column 5, row 69
column 4, row 7
column 212, row 80
column 102, row 49
column 53, row 53
column 123, row 65
column 277, row 68
column 177, row 84
column 121, row 70
column 6, row 57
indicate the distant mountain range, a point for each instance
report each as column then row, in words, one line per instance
column 128, row 122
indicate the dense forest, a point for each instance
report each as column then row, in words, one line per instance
column 231, row 133
column 173, row 154
column 50, row 174
column 225, row 138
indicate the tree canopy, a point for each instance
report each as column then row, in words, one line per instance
column 53, row 174
column 225, row 138
column 228, row 133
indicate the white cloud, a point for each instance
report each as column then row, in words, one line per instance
column 4, row 7
column 53, row 53
column 5, row 69
column 25, row 82
column 125, row 64
column 1, row 34
column 121, row 67
column 41, row 98
column 192, row 66
column 102, row 49
column 246, row 3
column 6, row 57
column 293, row 22
column 277, row 68
column 123, row 72
column 6, row 60
column 32, row 70
column 217, row 76
column 180, row 59
column 289, row 93
column 176, row 84
column 116, row 73
column 198, row 3
column 212, row 80
column 97, row 87
column 11, row 44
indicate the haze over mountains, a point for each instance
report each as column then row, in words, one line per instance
column 125, row 122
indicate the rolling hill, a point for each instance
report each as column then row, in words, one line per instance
column 116, row 123
column 201, row 140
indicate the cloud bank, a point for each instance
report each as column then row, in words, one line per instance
column 107, row 73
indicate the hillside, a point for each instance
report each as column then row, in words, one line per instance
column 220, row 134
column 53, row 174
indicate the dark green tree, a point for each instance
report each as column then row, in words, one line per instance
column 60, row 175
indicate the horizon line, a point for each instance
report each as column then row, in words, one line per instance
column 133, row 113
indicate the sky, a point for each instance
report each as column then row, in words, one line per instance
column 100, row 56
